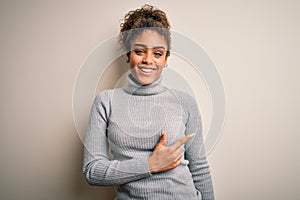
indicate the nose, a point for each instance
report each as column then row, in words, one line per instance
column 147, row 59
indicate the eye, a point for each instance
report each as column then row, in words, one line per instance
column 138, row 51
column 157, row 54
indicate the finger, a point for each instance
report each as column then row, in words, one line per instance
column 178, row 161
column 175, row 162
column 162, row 141
column 178, row 157
column 172, row 166
column 183, row 141
column 178, row 152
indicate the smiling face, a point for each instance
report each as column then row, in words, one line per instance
column 148, row 56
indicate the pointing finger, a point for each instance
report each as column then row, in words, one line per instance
column 183, row 140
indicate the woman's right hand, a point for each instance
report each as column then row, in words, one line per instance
column 165, row 158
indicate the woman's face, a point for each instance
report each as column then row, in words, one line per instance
column 148, row 56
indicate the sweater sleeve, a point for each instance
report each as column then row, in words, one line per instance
column 195, row 152
column 98, row 169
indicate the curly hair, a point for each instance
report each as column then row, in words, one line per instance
column 147, row 17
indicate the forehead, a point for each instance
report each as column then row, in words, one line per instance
column 150, row 38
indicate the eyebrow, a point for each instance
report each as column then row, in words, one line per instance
column 145, row 46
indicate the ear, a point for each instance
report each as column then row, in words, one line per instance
column 128, row 57
column 167, row 58
column 167, row 55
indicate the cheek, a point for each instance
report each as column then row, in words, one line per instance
column 135, row 60
column 163, row 60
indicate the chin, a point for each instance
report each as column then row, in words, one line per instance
column 144, row 80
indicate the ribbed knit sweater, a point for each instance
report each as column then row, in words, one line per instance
column 128, row 122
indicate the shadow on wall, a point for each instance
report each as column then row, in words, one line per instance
column 82, row 189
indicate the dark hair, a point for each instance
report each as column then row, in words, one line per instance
column 147, row 17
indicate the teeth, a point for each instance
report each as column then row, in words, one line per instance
column 147, row 70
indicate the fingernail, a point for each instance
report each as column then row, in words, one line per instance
column 192, row 135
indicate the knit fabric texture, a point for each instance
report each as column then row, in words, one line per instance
column 127, row 123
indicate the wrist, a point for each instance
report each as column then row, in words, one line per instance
column 150, row 166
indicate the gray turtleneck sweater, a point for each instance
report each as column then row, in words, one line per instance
column 128, row 122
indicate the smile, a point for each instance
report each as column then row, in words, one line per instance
column 146, row 70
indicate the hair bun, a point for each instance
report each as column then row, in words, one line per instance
column 149, row 15
column 146, row 17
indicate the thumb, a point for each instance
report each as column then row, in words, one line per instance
column 161, row 143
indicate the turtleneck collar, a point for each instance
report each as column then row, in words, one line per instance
column 135, row 88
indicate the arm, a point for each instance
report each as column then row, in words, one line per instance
column 97, row 168
column 195, row 153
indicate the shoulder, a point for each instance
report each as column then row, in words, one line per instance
column 185, row 98
column 102, row 102
column 188, row 102
column 105, row 95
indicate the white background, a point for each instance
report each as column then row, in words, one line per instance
column 254, row 44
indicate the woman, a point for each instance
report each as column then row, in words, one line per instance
column 154, row 133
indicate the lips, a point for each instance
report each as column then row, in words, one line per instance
column 146, row 70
